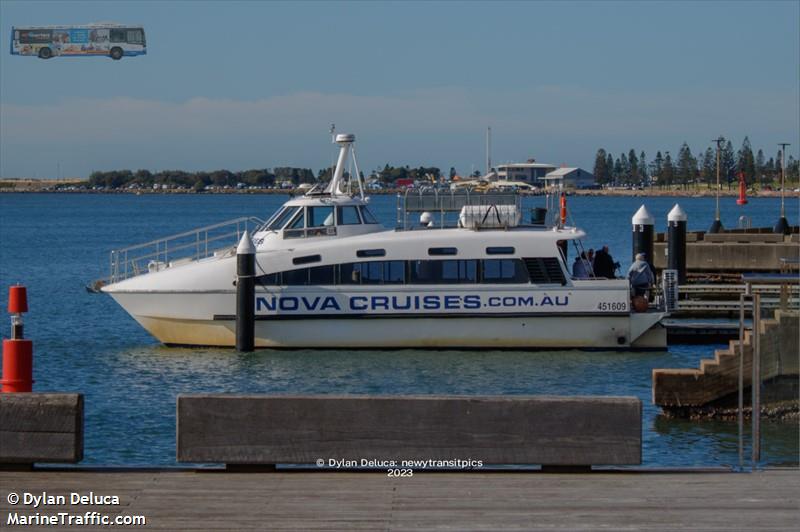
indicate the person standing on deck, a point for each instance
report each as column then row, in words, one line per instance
column 581, row 268
column 640, row 275
column 604, row 265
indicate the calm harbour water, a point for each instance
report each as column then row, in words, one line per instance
column 56, row 243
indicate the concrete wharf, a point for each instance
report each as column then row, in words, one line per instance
column 615, row 500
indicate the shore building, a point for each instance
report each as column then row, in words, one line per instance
column 529, row 172
column 569, row 178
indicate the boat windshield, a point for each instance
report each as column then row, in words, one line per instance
column 281, row 218
column 368, row 217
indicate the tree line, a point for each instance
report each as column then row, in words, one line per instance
column 262, row 177
column 688, row 169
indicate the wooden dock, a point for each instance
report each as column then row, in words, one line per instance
column 188, row 500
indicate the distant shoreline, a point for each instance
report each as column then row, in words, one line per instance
column 286, row 192
column 46, row 186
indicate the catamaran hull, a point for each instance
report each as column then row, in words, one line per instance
column 498, row 331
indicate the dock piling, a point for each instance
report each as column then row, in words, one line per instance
column 643, row 224
column 676, row 245
column 245, row 294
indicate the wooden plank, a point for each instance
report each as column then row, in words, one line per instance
column 180, row 500
column 41, row 427
column 494, row 429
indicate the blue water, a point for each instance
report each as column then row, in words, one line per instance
column 56, row 243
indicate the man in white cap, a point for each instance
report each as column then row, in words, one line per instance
column 640, row 275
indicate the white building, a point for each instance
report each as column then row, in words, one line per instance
column 530, row 172
column 569, row 178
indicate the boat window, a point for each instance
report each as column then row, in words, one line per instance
column 425, row 271
column 500, row 250
column 281, row 218
column 295, row 277
column 459, row 271
column 347, row 216
column 376, row 272
column 320, row 216
column 321, row 275
column 442, row 251
column 299, row 220
column 367, row 216
column 545, row 270
column 271, row 279
column 306, row 259
column 371, row 253
column 504, row 271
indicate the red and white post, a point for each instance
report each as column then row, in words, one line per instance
column 17, row 351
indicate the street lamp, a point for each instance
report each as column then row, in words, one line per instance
column 716, row 225
column 782, row 226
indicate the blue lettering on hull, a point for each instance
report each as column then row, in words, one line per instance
column 402, row 303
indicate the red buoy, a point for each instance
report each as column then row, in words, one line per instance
column 563, row 208
column 17, row 352
column 742, row 190
column 17, row 366
column 17, row 299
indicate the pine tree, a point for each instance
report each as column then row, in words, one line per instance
column 612, row 176
column 728, row 164
column 760, row 167
column 709, row 167
column 687, row 166
column 619, row 171
column 668, row 171
column 657, row 168
column 643, row 168
column 633, row 161
column 745, row 162
column 601, row 171
column 625, row 168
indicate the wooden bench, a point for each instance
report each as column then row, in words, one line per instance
column 275, row 429
column 41, row 427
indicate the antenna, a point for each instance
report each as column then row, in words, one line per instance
column 488, row 150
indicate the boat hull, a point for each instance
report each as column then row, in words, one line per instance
column 495, row 332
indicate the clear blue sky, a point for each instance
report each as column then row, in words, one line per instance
column 242, row 85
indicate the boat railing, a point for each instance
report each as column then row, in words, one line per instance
column 156, row 255
column 444, row 202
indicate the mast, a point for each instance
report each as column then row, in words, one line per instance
column 345, row 142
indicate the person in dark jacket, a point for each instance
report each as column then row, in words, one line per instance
column 604, row 265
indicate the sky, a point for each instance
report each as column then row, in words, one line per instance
column 240, row 85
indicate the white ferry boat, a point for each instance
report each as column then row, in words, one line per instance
column 469, row 274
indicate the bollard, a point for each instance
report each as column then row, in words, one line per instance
column 643, row 224
column 17, row 352
column 676, row 244
column 245, row 294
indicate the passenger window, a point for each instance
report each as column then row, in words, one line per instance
column 320, row 216
column 296, row 277
column 504, row 271
column 459, row 271
column 348, row 216
column 321, row 275
column 135, row 36
column 117, row 35
column 395, row 272
column 425, row 271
